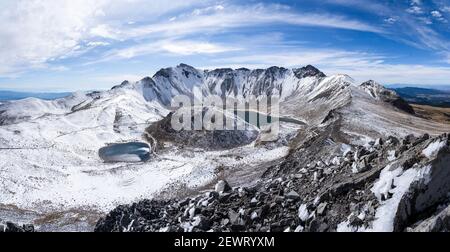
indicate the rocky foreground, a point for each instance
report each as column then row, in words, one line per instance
column 386, row 185
column 10, row 227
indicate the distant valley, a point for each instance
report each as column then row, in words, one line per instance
column 425, row 96
column 15, row 95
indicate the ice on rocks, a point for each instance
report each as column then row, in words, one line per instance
column 384, row 219
column 222, row 187
column 433, row 148
column 303, row 212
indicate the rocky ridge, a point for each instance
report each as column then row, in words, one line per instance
column 379, row 92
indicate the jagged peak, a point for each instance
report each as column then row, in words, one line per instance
column 371, row 83
column 376, row 90
column 123, row 84
column 308, row 71
column 341, row 78
column 379, row 92
column 147, row 82
column 188, row 70
column 220, row 70
column 147, row 79
column 275, row 68
column 185, row 66
column 163, row 72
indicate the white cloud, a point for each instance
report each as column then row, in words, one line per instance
column 220, row 18
column 60, row 68
column 195, row 47
column 426, row 20
column 431, row 39
column 298, row 57
column 175, row 47
column 400, row 73
column 361, row 66
column 112, row 79
column 367, row 5
column 97, row 43
column 447, row 57
column 36, row 33
column 33, row 33
column 104, row 31
column 436, row 14
column 414, row 10
column 390, row 20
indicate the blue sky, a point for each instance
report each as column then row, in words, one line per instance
column 66, row 45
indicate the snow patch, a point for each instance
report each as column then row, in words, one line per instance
column 303, row 213
column 391, row 155
column 394, row 183
column 433, row 148
column 382, row 187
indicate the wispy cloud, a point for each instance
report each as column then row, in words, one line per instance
column 44, row 35
column 195, row 47
column 112, row 79
column 390, row 20
column 361, row 66
column 373, row 7
column 218, row 19
column 34, row 33
column 438, row 16
column 174, row 34
column 414, row 27
column 174, row 47
column 414, row 10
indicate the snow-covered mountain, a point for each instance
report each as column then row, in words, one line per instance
column 49, row 149
column 182, row 80
column 306, row 93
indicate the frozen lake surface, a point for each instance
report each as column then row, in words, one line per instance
column 126, row 152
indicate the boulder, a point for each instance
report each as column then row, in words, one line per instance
column 223, row 187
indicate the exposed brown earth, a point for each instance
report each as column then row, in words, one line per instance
column 437, row 114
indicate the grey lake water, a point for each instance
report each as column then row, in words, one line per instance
column 264, row 119
column 140, row 152
column 125, row 152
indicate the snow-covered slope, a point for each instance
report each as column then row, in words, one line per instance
column 49, row 149
column 49, row 153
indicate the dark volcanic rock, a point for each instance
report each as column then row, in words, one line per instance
column 163, row 131
column 223, row 187
column 439, row 222
column 10, row 227
column 308, row 71
column 293, row 196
